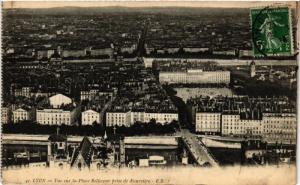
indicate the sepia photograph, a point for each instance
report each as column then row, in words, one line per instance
column 149, row 92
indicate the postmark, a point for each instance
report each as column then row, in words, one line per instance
column 271, row 31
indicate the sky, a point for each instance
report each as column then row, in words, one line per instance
column 139, row 3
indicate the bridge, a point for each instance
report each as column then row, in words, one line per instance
column 198, row 150
column 18, row 139
column 152, row 142
column 138, row 142
column 208, row 142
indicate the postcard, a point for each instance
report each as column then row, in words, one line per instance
column 149, row 92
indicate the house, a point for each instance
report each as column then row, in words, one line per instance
column 23, row 114
column 57, row 116
column 90, row 116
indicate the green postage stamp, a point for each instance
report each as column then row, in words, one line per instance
column 271, row 31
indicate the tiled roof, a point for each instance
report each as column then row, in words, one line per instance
column 85, row 149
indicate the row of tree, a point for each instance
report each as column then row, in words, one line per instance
column 138, row 128
column 256, row 88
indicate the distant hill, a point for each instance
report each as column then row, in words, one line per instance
column 121, row 9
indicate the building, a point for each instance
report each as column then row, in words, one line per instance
column 163, row 118
column 127, row 118
column 58, row 154
column 195, row 50
column 91, row 94
column 58, row 100
column 171, row 50
column 149, row 50
column 118, row 118
column 39, row 93
column 22, row 91
column 5, row 115
column 128, row 48
column 280, row 127
column 45, row 53
column 252, row 69
column 85, row 156
column 26, row 91
column 89, row 117
column 63, row 154
column 273, row 119
column 246, row 53
column 232, row 124
column 23, row 114
column 57, row 116
column 100, row 51
column 73, row 53
column 137, row 116
column 195, row 76
column 148, row 62
column 228, row 53
column 208, row 123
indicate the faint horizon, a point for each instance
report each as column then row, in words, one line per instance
column 142, row 4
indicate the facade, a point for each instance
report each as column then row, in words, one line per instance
column 58, row 155
column 148, row 62
column 160, row 117
column 88, row 117
column 102, row 51
column 208, row 122
column 172, row 50
column 129, row 118
column 280, row 126
column 117, row 118
column 44, row 53
column 84, row 95
column 149, row 50
column 56, row 116
column 137, row 116
column 57, row 100
column 5, row 115
column 272, row 126
column 195, row 76
column 252, row 69
column 24, row 91
column 74, row 53
column 233, row 125
column 195, row 50
column 22, row 114
column 228, row 53
column 246, row 53
column 128, row 49
column 91, row 94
